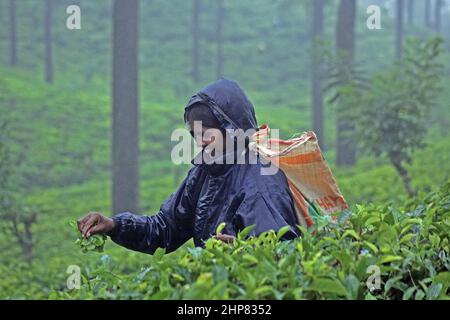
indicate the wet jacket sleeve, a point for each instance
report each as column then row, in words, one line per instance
column 267, row 211
column 169, row 228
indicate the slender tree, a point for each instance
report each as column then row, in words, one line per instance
column 437, row 16
column 427, row 12
column 345, row 47
column 125, row 150
column 316, row 70
column 48, row 41
column 195, row 40
column 12, row 33
column 399, row 29
column 219, row 39
column 411, row 11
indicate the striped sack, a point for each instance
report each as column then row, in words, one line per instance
column 313, row 187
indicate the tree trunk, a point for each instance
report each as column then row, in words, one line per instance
column 195, row 40
column 345, row 47
column 411, row 12
column 437, row 16
column 48, row 42
column 12, row 33
column 427, row 12
column 316, row 71
column 125, row 149
column 399, row 30
column 21, row 228
column 403, row 173
column 219, row 39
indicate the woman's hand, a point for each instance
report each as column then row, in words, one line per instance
column 94, row 223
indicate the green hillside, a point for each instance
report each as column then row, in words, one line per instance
column 59, row 139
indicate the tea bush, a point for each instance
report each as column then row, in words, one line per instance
column 408, row 246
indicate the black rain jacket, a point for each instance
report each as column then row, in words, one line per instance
column 236, row 194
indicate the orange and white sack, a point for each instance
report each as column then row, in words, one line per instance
column 311, row 182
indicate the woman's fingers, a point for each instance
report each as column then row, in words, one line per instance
column 98, row 228
column 89, row 223
column 82, row 221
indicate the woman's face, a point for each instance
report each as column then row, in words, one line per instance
column 211, row 140
column 205, row 136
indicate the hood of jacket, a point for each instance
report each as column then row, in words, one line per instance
column 229, row 104
column 232, row 108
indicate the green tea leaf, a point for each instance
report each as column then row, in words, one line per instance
column 282, row 232
column 389, row 258
column 246, row 231
column 328, row 286
column 220, row 227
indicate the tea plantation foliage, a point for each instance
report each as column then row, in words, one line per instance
column 64, row 174
column 58, row 137
column 406, row 238
column 408, row 247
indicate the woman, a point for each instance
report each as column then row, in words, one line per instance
column 213, row 191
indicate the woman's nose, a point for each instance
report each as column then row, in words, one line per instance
column 204, row 142
column 200, row 141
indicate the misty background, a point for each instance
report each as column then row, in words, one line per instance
column 86, row 115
